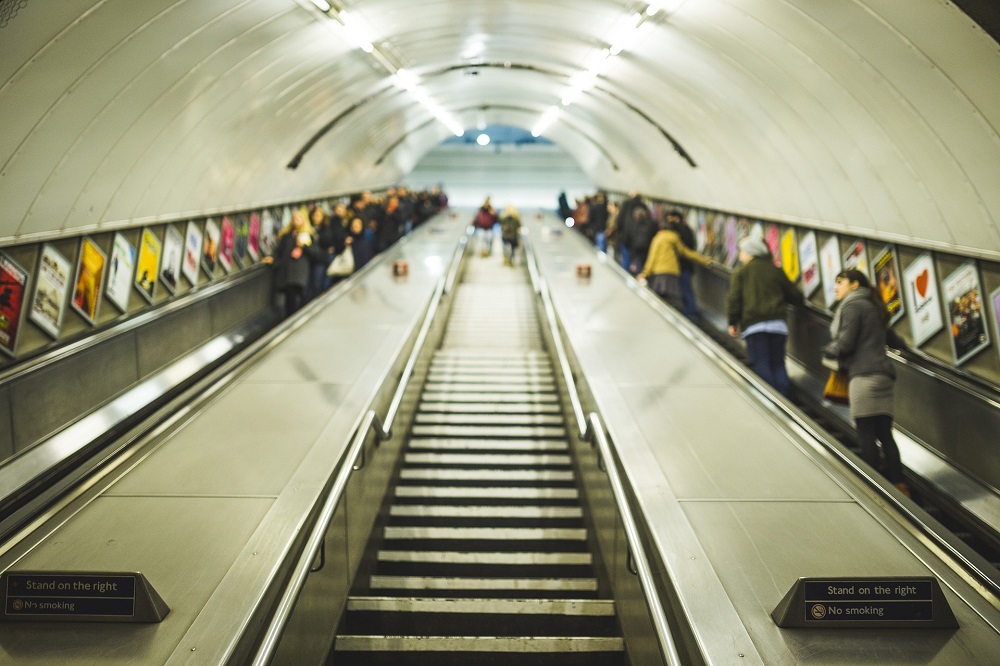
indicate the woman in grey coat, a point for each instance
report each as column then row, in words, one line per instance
column 858, row 337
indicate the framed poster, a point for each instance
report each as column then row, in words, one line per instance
column 51, row 287
column 809, row 263
column 240, row 239
column 920, row 283
column 13, row 287
column 120, row 272
column 192, row 252
column 790, row 255
column 856, row 257
column 253, row 238
column 226, row 243
column 173, row 253
column 773, row 243
column 210, row 248
column 268, row 232
column 829, row 266
column 963, row 296
column 147, row 266
column 89, row 280
column 885, row 274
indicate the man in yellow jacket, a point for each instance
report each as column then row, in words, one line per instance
column 663, row 267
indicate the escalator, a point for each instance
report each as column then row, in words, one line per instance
column 484, row 556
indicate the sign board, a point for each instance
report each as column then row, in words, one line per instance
column 875, row 603
column 66, row 596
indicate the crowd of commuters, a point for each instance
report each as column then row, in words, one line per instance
column 661, row 253
column 363, row 226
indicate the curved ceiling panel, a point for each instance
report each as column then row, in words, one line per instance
column 875, row 117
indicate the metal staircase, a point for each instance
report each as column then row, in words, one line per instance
column 485, row 558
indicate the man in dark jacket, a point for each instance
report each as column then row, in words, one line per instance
column 758, row 294
column 675, row 221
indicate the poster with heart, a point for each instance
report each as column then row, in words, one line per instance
column 829, row 266
column 963, row 297
column 921, row 289
column 886, row 281
column 809, row 263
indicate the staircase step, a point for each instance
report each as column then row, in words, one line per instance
column 428, row 584
column 530, row 493
column 490, row 396
column 487, row 533
column 481, row 432
column 446, row 474
column 488, row 408
column 489, row 444
column 454, row 557
column 491, row 511
column 483, row 459
column 505, row 420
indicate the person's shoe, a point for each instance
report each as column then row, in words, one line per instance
column 905, row 489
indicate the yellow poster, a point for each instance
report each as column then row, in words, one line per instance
column 148, row 265
column 790, row 255
column 89, row 280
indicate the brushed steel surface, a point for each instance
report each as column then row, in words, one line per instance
column 177, row 334
column 6, row 427
column 184, row 545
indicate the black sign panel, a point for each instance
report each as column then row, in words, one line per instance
column 891, row 602
column 83, row 596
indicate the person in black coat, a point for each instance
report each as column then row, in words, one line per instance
column 292, row 259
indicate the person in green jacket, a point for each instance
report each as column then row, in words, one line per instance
column 758, row 294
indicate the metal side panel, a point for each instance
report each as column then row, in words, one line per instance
column 48, row 399
column 757, row 570
column 175, row 335
column 184, row 546
column 6, row 425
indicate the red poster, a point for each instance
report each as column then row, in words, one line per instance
column 13, row 283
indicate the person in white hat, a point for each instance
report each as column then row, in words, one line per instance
column 758, row 294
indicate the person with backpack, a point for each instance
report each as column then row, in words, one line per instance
column 484, row 220
column 662, row 270
column 510, row 233
column 675, row 219
column 638, row 237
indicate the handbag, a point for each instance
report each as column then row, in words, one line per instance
column 342, row 264
column 836, row 389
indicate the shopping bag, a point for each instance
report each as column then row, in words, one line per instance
column 342, row 264
column 836, row 387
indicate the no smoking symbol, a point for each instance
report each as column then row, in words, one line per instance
column 818, row 611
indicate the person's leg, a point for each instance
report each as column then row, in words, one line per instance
column 883, row 432
column 625, row 256
column 758, row 356
column 687, row 295
column 293, row 300
column 866, row 428
column 776, row 357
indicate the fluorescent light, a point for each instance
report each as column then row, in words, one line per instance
column 358, row 32
column 322, row 5
column 483, row 139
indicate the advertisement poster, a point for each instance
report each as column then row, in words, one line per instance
column 89, row 280
column 790, row 255
column 210, row 248
column 268, row 232
column 700, row 232
column 921, row 288
column 173, row 253
column 242, row 228
column 809, row 263
column 771, row 238
column 226, row 244
column 731, row 241
column 13, row 284
column 148, row 264
column 856, row 257
column 192, row 252
column 51, row 286
column 253, row 240
column 120, row 273
column 963, row 296
column 829, row 266
column 885, row 272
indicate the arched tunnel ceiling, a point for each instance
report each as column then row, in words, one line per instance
column 876, row 117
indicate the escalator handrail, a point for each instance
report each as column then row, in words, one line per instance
column 383, row 429
column 643, row 570
column 591, row 429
